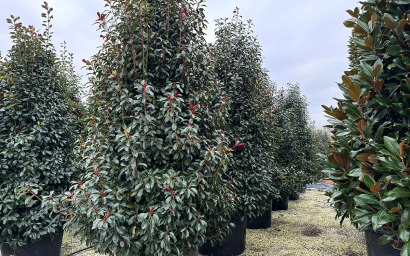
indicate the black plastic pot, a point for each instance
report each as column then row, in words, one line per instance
column 280, row 204
column 294, row 196
column 49, row 246
column 262, row 222
column 376, row 249
column 234, row 243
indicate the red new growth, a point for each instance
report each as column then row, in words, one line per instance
column 101, row 16
column 151, row 211
column 79, row 182
column 238, row 144
column 167, row 187
column 193, row 107
column 84, row 61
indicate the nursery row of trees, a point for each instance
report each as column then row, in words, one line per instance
column 176, row 139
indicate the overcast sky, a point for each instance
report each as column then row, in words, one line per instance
column 303, row 41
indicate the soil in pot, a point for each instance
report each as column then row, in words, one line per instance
column 376, row 249
column 49, row 246
column 262, row 222
column 294, row 196
column 280, row 204
column 234, row 243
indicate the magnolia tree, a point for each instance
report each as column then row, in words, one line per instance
column 369, row 155
column 38, row 121
column 155, row 156
column 238, row 65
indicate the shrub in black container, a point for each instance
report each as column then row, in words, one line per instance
column 39, row 111
column 154, row 156
column 239, row 67
column 295, row 153
column 369, row 155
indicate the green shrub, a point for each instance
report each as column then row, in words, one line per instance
column 369, row 158
column 38, row 122
column 238, row 65
column 155, row 153
column 295, row 152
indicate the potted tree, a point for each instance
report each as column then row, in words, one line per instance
column 155, row 154
column 238, row 65
column 295, row 155
column 37, row 128
column 369, row 154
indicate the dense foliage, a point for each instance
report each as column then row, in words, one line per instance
column 38, row 122
column 180, row 137
column 369, row 158
column 295, row 153
column 239, row 66
column 321, row 138
column 155, row 152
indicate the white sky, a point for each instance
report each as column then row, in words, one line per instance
column 303, row 41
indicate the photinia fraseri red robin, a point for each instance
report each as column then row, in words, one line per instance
column 45, row 77
column 247, row 85
column 155, row 140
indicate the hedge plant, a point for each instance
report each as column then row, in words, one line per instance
column 295, row 153
column 369, row 155
column 239, row 66
column 38, row 120
column 155, row 154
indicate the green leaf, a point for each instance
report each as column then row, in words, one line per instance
column 393, row 50
column 405, row 217
column 363, row 25
column 366, row 69
column 399, row 192
column 381, row 218
column 392, row 145
column 404, row 234
column 405, row 250
column 390, row 163
column 355, row 172
column 364, row 199
column 380, row 130
column 368, row 180
column 385, row 239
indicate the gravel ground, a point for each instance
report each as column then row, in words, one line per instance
column 308, row 228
